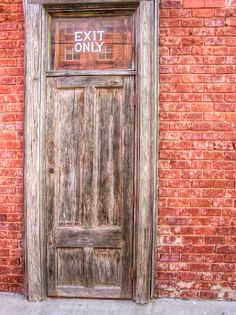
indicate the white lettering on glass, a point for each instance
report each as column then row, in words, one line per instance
column 78, row 36
column 90, row 41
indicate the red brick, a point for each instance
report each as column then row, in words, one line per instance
column 214, row 60
column 191, row 22
column 230, row 258
column 171, row 4
column 176, row 221
column 204, row 202
column 193, row 3
column 224, row 88
column 230, row 155
column 231, row 41
column 215, row 41
column 205, row 51
column 231, row 21
column 170, row 257
column 180, row 13
column 179, row 202
column 200, row 267
column 225, row 249
column 179, row 183
column 170, row 41
column 208, row 295
column 164, row 13
column 216, row 22
column 192, row 41
column 190, row 193
column 214, row 240
column 218, row 51
column 203, row 31
column 214, row 3
column 203, row 12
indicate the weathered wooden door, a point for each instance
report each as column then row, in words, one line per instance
column 90, row 179
column 83, row 58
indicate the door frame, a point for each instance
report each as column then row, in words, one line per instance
column 146, row 143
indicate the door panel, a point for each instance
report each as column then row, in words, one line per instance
column 90, row 179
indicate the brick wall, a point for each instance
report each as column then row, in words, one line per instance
column 11, row 151
column 197, row 215
column 196, row 228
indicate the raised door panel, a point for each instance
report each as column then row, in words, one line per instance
column 90, row 177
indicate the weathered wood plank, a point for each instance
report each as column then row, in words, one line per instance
column 89, row 156
column 116, row 150
column 88, row 267
column 52, row 184
column 93, row 237
column 128, row 183
column 144, row 236
column 70, row 142
column 32, row 172
column 66, row 73
column 107, row 266
column 97, row 292
column 70, row 268
column 110, row 160
column 104, row 99
column 76, row 82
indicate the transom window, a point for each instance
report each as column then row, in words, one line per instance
column 87, row 43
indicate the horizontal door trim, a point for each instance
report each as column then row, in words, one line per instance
column 71, row 73
column 99, row 292
column 76, row 237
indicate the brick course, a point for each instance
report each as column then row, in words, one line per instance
column 196, row 251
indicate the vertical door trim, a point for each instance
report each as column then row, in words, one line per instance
column 34, row 275
column 146, row 89
column 146, row 163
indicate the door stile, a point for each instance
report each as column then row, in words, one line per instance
column 51, row 188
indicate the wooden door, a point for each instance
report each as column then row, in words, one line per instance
column 90, row 185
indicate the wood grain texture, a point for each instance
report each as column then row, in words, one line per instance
column 128, row 181
column 107, row 266
column 32, row 188
column 95, row 292
column 110, row 156
column 70, row 141
column 66, row 73
column 52, row 186
column 144, row 241
column 90, row 154
column 87, row 237
column 74, row 82
column 88, row 267
column 89, row 167
column 70, row 267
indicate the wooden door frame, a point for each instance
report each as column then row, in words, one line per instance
column 34, row 187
